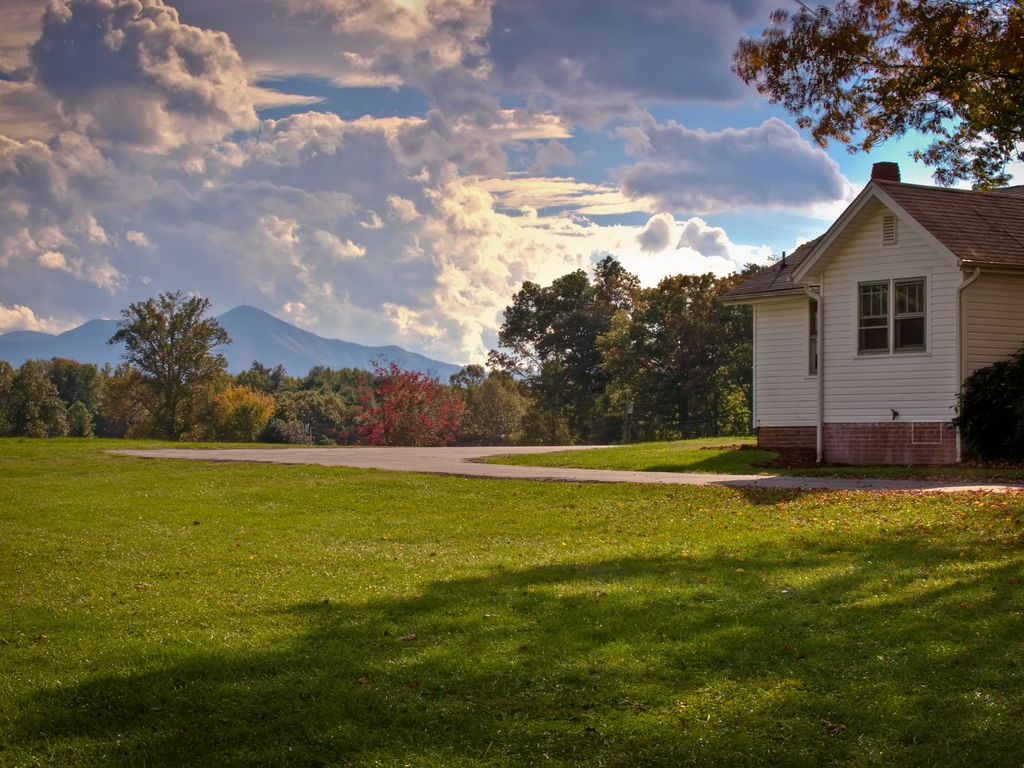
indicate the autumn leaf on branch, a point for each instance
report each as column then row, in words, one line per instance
column 866, row 71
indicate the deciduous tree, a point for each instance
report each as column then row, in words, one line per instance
column 549, row 339
column 864, row 71
column 6, row 392
column 241, row 413
column 495, row 406
column 79, row 420
column 171, row 341
column 35, row 408
column 322, row 416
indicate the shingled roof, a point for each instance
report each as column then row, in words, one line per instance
column 774, row 280
column 977, row 227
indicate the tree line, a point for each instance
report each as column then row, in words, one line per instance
column 588, row 358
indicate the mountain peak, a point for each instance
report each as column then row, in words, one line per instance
column 255, row 335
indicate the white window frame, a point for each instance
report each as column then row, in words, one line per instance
column 892, row 317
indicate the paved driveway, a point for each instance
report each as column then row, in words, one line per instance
column 465, row 462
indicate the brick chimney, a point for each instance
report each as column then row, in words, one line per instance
column 886, row 172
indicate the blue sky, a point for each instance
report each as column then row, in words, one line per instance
column 388, row 171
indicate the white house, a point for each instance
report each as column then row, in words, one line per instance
column 863, row 337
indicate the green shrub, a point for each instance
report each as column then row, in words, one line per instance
column 284, row 431
column 991, row 410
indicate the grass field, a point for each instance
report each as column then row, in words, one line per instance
column 167, row 613
column 732, row 455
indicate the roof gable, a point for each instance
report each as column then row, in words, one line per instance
column 977, row 227
column 964, row 226
column 875, row 193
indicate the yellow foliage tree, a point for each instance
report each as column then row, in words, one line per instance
column 240, row 413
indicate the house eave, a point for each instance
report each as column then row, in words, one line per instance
column 990, row 266
column 757, row 298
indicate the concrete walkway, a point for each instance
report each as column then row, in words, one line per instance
column 465, row 462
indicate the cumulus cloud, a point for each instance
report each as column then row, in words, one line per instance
column 599, row 58
column 656, row 233
column 131, row 73
column 337, row 248
column 54, row 260
column 27, row 112
column 19, row 20
column 18, row 317
column 767, row 166
column 401, row 209
column 138, row 239
column 131, row 160
column 552, row 155
column 47, row 190
column 356, row 43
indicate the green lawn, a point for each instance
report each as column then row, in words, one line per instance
column 166, row 613
column 733, row 455
column 729, row 455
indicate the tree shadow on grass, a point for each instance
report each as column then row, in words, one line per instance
column 883, row 653
column 737, row 461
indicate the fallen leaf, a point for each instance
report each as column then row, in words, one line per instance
column 833, row 728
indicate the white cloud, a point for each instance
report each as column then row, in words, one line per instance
column 601, row 58
column 138, row 239
column 54, row 260
column 372, row 221
column 133, row 74
column 269, row 98
column 768, row 166
column 551, row 155
column 26, row 112
column 655, row 235
column 535, row 193
column 401, row 209
column 336, row 248
column 387, row 228
column 18, row 317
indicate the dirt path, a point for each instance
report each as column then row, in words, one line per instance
column 465, row 462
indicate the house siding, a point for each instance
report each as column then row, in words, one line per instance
column 994, row 319
column 785, row 395
column 866, row 389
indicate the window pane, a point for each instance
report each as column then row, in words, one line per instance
column 909, row 326
column 874, row 300
column 873, row 319
column 872, row 339
column 910, row 333
column 910, row 297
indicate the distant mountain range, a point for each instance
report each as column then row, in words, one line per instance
column 255, row 335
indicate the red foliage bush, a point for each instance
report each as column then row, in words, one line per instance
column 408, row 408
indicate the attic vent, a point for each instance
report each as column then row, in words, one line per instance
column 889, row 230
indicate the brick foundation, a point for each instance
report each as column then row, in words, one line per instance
column 890, row 442
column 788, row 438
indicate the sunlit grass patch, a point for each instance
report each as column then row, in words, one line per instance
column 170, row 613
column 726, row 455
column 732, row 455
